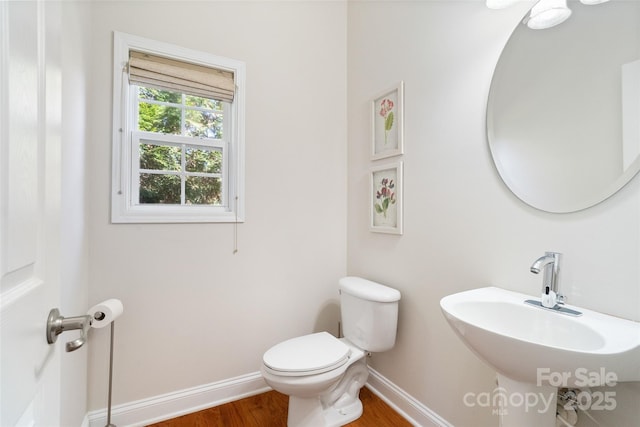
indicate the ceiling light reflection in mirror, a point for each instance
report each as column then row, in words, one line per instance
column 548, row 13
column 545, row 13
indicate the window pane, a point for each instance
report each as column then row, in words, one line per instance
column 164, row 189
column 159, row 118
column 206, row 124
column 201, row 190
column 159, row 95
column 196, row 101
column 203, row 160
column 160, row 157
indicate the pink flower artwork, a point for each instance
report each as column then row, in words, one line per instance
column 386, row 112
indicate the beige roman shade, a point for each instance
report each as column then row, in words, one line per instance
column 169, row 74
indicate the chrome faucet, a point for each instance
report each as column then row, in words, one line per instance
column 550, row 278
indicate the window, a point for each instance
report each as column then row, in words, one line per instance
column 178, row 140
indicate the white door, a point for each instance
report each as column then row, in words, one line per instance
column 29, row 212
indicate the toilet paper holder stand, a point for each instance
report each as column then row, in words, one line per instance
column 57, row 324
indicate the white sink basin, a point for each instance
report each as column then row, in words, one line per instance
column 541, row 346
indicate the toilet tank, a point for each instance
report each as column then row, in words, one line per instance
column 369, row 313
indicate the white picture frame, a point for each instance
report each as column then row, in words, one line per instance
column 387, row 123
column 386, row 198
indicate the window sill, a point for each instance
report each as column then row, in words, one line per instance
column 173, row 214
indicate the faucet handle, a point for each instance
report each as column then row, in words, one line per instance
column 560, row 299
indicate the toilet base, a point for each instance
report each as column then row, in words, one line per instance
column 338, row 417
column 339, row 406
column 308, row 412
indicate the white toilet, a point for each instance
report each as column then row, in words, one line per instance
column 322, row 374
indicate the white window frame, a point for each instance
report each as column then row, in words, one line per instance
column 125, row 153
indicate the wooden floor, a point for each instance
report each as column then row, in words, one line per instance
column 270, row 410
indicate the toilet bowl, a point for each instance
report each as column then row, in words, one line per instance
column 323, row 374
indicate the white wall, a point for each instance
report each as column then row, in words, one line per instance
column 195, row 313
column 463, row 228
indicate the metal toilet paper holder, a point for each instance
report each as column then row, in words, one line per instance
column 57, row 324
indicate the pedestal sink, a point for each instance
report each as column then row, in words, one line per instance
column 535, row 350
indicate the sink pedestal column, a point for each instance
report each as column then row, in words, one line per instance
column 525, row 404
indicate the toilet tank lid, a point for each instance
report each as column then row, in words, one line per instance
column 368, row 290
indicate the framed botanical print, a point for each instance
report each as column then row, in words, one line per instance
column 386, row 198
column 388, row 123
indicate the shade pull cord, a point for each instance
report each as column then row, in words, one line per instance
column 235, row 229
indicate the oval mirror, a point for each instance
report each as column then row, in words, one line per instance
column 563, row 116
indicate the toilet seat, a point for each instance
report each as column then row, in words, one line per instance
column 307, row 355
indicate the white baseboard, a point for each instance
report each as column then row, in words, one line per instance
column 403, row 403
column 171, row 405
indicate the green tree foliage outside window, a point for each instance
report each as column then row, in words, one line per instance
column 164, row 165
